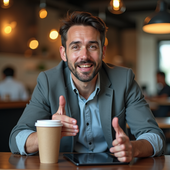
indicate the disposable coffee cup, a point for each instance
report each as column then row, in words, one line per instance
column 49, row 135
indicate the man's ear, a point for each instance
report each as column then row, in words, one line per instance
column 104, row 52
column 63, row 53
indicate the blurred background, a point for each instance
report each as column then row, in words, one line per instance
column 25, row 41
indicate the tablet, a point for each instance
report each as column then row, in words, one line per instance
column 103, row 158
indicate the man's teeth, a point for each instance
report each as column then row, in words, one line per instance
column 84, row 66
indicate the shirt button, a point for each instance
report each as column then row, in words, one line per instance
column 87, row 124
column 89, row 143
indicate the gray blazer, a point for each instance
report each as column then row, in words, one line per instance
column 119, row 96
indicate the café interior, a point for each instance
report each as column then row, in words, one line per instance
column 29, row 41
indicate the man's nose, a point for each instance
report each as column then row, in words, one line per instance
column 84, row 53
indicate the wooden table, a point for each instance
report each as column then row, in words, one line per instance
column 163, row 122
column 154, row 103
column 12, row 104
column 162, row 102
column 12, row 161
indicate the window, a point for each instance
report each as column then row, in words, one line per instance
column 164, row 58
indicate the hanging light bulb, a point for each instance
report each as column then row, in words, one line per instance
column 8, row 27
column 158, row 22
column 43, row 11
column 33, row 43
column 116, row 6
column 6, row 3
column 53, row 34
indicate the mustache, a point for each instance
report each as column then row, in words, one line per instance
column 84, row 62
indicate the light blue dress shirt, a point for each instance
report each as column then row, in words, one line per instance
column 91, row 138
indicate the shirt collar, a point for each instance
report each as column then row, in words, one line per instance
column 8, row 78
column 97, row 88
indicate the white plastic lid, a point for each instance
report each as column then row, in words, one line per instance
column 48, row 123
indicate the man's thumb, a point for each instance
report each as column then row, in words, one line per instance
column 117, row 128
column 62, row 103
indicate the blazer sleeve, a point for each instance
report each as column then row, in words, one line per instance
column 138, row 114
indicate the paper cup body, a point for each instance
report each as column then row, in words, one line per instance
column 49, row 135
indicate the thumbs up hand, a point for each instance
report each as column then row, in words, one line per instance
column 61, row 109
column 70, row 127
column 122, row 147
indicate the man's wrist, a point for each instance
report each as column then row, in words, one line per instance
column 31, row 144
column 142, row 148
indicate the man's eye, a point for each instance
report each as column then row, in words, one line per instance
column 75, row 47
column 93, row 47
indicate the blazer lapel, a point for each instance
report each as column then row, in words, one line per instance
column 72, row 105
column 105, row 107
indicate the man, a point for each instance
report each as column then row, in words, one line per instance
column 163, row 94
column 10, row 89
column 93, row 100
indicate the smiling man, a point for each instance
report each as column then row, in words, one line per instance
column 84, row 57
column 93, row 100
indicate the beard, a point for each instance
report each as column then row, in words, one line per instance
column 85, row 76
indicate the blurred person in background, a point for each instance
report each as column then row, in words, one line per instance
column 163, row 93
column 11, row 89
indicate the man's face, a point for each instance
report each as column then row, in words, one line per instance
column 83, row 52
column 160, row 78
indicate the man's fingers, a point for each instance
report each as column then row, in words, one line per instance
column 62, row 102
column 64, row 119
column 69, row 130
column 70, row 126
column 119, row 141
column 68, row 134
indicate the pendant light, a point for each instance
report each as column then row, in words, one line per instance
column 116, row 6
column 159, row 21
column 43, row 11
column 6, row 3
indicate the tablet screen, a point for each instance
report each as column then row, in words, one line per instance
column 103, row 158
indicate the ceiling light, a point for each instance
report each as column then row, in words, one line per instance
column 33, row 43
column 9, row 27
column 116, row 6
column 159, row 21
column 43, row 11
column 53, row 34
column 6, row 3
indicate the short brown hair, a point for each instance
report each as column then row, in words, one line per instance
column 82, row 18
